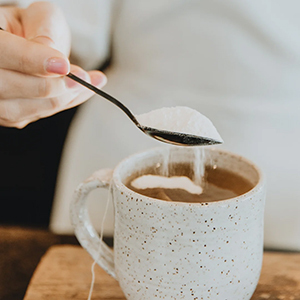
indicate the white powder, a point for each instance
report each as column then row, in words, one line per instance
column 199, row 165
column 174, row 182
column 180, row 119
column 165, row 162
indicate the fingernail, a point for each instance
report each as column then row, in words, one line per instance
column 72, row 83
column 57, row 65
column 99, row 80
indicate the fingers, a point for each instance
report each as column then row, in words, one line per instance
column 18, row 54
column 10, row 19
column 33, row 63
column 44, row 23
column 98, row 80
column 40, row 43
column 18, row 85
column 20, row 112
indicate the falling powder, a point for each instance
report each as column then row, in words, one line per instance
column 199, row 165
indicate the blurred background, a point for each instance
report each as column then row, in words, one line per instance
column 236, row 62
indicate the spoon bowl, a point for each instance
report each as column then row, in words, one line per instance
column 178, row 138
column 170, row 137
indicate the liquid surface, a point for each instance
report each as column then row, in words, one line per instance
column 174, row 182
column 219, row 184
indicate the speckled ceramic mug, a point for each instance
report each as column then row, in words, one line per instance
column 178, row 250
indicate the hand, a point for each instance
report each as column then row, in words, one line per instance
column 34, row 59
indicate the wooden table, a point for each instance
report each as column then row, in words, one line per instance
column 20, row 252
column 65, row 273
column 21, row 249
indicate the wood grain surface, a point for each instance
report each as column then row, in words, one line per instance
column 65, row 273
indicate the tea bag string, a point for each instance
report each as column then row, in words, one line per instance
column 101, row 240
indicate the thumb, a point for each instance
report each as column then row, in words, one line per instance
column 44, row 23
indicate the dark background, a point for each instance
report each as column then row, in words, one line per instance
column 29, row 160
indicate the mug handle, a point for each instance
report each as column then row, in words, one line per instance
column 84, row 230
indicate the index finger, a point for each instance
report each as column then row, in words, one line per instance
column 19, row 54
column 45, row 22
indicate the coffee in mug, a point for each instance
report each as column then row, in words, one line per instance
column 217, row 184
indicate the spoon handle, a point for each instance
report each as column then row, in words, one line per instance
column 106, row 96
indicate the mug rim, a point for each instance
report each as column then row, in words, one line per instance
column 256, row 188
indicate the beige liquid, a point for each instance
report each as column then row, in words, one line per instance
column 219, row 184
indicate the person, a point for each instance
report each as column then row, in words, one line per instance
column 237, row 63
column 35, row 45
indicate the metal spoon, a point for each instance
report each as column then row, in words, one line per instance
column 175, row 138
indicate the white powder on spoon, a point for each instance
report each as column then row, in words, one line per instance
column 180, row 119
